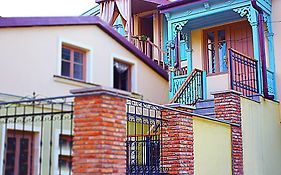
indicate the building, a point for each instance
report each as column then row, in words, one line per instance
column 48, row 47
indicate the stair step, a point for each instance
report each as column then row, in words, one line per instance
column 205, row 103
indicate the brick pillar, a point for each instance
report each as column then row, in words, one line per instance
column 99, row 132
column 177, row 143
column 228, row 107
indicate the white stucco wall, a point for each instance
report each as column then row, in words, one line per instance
column 30, row 57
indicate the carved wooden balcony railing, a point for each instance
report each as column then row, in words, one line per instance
column 150, row 49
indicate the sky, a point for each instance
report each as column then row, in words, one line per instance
column 17, row 8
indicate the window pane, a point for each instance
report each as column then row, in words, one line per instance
column 65, row 69
column 121, row 76
column 24, row 150
column 78, row 71
column 65, row 54
column 211, row 37
column 221, row 35
column 222, row 56
column 211, row 58
column 10, row 156
column 78, row 57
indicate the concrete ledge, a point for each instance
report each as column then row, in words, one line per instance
column 226, row 92
column 101, row 90
column 178, row 105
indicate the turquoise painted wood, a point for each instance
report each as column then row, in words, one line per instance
column 210, row 13
column 118, row 26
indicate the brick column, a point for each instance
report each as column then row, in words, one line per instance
column 99, row 132
column 228, row 107
column 177, row 142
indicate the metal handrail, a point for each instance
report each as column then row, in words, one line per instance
column 191, row 90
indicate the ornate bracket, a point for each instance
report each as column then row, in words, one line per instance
column 168, row 16
column 177, row 27
column 244, row 12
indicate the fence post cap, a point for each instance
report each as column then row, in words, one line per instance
column 98, row 90
column 226, row 92
column 178, row 105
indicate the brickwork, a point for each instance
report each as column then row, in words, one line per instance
column 99, row 135
column 228, row 107
column 177, row 143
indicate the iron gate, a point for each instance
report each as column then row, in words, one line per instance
column 144, row 124
column 36, row 136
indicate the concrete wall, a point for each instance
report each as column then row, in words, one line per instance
column 212, row 147
column 261, row 137
column 30, row 57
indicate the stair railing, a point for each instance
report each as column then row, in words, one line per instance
column 191, row 90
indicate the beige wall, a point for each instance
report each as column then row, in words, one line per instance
column 214, row 83
column 212, row 147
column 31, row 56
column 276, row 16
column 261, row 137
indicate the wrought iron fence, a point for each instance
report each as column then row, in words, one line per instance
column 144, row 125
column 191, row 89
column 243, row 73
column 36, row 136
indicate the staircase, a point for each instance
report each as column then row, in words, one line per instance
column 205, row 107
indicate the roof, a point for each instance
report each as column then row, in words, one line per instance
column 82, row 20
column 160, row 2
column 178, row 3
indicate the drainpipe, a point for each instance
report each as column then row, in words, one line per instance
column 262, row 49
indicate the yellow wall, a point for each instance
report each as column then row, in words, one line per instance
column 30, row 57
column 212, row 147
column 261, row 137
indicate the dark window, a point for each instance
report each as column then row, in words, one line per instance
column 18, row 153
column 73, row 63
column 122, row 75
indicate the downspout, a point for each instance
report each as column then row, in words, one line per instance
column 262, row 49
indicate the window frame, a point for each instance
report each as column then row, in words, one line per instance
column 72, row 62
column 18, row 135
column 216, row 42
column 129, row 77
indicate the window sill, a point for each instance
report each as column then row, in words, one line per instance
column 216, row 74
column 73, row 82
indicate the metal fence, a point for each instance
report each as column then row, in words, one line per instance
column 243, row 74
column 36, row 136
column 144, row 125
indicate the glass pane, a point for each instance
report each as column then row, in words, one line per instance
column 211, row 37
column 65, row 69
column 78, row 71
column 65, row 54
column 78, row 57
column 222, row 56
column 24, row 150
column 221, row 35
column 121, row 72
column 10, row 156
column 211, row 58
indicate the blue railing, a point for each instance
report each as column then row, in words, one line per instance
column 191, row 90
column 271, row 82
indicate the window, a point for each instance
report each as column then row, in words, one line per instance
column 18, row 153
column 122, row 76
column 216, row 51
column 65, row 156
column 73, row 63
